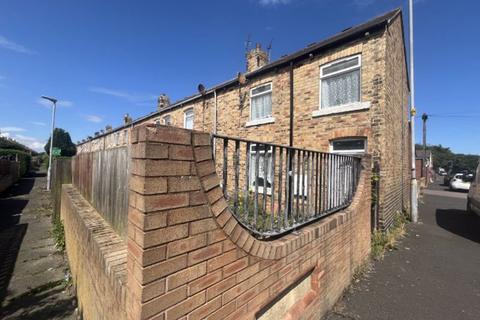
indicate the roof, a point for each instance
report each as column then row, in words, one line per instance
column 420, row 154
column 347, row 35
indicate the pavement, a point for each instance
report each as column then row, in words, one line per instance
column 434, row 273
column 32, row 270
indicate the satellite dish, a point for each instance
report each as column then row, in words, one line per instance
column 201, row 89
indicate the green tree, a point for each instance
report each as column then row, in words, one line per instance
column 62, row 140
column 444, row 157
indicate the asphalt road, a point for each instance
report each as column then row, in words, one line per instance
column 434, row 274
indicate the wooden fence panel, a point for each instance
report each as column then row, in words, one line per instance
column 102, row 179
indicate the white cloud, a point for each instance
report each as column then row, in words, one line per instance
column 31, row 142
column 138, row 99
column 93, row 118
column 11, row 129
column 10, row 45
column 38, row 123
column 273, row 2
column 60, row 103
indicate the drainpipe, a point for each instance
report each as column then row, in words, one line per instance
column 291, row 105
column 290, row 143
column 214, row 119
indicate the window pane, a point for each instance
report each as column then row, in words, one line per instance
column 261, row 106
column 345, row 145
column 341, row 89
column 261, row 157
column 261, row 89
column 340, row 66
column 167, row 120
column 188, row 119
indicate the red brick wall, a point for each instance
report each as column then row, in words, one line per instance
column 189, row 258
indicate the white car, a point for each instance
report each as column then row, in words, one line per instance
column 460, row 182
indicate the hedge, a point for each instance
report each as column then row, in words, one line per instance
column 23, row 157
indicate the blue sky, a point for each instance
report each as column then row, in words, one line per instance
column 103, row 59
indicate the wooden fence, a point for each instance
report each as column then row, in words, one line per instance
column 61, row 174
column 102, row 179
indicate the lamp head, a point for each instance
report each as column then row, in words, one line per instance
column 50, row 99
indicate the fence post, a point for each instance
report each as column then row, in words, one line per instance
column 61, row 174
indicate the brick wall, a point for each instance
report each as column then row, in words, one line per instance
column 97, row 257
column 395, row 162
column 189, row 258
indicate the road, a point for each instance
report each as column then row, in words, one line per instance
column 434, row 274
column 32, row 271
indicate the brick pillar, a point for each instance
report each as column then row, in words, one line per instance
column 167, row 218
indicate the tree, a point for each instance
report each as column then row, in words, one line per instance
column 62, row 140
column 444, row 157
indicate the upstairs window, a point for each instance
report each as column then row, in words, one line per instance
column 261, row 102
column 349, row 146
column 167, row 120
column 340, row 82
column 188, row 119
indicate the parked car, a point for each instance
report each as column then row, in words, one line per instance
column 473, row 198
column 461, row 181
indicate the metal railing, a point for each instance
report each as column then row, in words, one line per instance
column 273, row 189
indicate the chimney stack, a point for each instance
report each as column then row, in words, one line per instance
column 163, row 101
column 256, row 58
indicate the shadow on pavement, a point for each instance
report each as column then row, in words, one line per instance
column 460, row 223
column 39, row 304
column 12, row 205
column 10, row 242
column 22, row 187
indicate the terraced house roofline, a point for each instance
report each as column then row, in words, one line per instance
column 346, row 36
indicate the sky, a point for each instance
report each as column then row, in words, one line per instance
column 103, row 59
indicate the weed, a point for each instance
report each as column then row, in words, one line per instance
column 58, row 234
column 387, row 240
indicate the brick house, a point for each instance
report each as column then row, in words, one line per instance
column 346, row 94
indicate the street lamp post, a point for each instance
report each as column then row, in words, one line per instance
column 414, row 186
column 54, row 101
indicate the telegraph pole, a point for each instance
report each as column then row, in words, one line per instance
column 414, row 195
column 424, row 119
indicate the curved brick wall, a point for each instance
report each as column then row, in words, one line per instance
column 189, row 258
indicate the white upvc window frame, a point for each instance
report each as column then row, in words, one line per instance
column 252, row 168
column 264, row 120
column 167, row 120
column 353, row 106
column 185, row 115
column 353, row 151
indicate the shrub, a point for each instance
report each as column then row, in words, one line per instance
column 23, row 157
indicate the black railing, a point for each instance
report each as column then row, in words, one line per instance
column 273, row 189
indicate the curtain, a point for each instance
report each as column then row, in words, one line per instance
column 262, row 106
column 341, row 89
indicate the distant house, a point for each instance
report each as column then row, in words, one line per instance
column 345, row 94
column 424, row 166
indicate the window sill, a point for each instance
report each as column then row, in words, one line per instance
column 341, row 109
column 258, row 122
